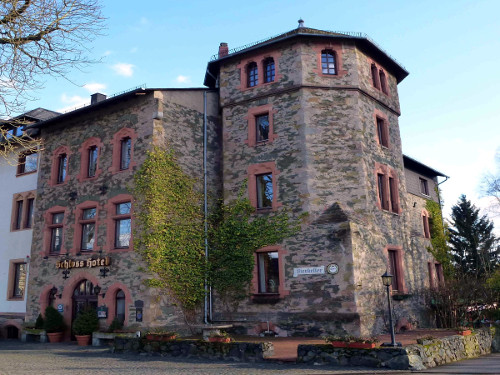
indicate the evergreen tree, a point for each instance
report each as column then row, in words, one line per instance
column 474, row 246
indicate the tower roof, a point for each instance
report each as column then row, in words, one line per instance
column 361, row 40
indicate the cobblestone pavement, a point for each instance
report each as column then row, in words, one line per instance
column 68, row 359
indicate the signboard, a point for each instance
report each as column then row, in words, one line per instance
column 308, row 271
column 138, row 314
column 60, row 307
column 332, row 268
column 89, row 263
column 102, row 312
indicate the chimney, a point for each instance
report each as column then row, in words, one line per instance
column 223, row 50
column 96, row 98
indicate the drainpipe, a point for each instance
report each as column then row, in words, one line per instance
column 205, row 206
column 441, row 205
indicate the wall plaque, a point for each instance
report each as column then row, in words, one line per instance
column 308, row 271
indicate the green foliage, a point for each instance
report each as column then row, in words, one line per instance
column 115, row 325
column 439, row 238
column 170, row 235
column 236, row 232
column 39, row 322
column 54, row 321
column 474, row 246
column 86, row 322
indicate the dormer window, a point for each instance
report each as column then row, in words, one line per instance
column 269, row 70
column 252, row 75
column 328, row 62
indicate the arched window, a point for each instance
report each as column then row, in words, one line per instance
column 328, row 62
column 269, row 70
column 120, row 305
column 375, row 76
column 383, row 82
column 252, row 75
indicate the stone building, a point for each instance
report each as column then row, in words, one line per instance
column 309, row 120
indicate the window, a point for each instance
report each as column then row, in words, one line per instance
column 425, row 222
column 122, row 225
column 88, row 224
column 125, row 153
column 387, row 188
column 264, row 191
column 381, row 191
column 17, row 279
column 56, row 232
column 383, row 82
column 328, row 62
column 22, row 210
column 120, row 306
column 374, row 71
column 439, row 273
column 424, row 186
column 393, row 195
column 395, row 268
column 62, row 168
column 382, row 132
column 269, row 70
column 268, row 272
column 92, row 161
column 262, row 126
column 252, row 75
column 27, row 162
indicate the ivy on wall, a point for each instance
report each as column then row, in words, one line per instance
column 169, row 228
column 439, row 238
column 236, row 232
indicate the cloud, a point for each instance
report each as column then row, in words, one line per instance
column 124, row 69
column 94, row 87
column 72, row 102
column 183, row 79
column 107, row 53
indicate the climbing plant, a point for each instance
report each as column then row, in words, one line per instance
column 236, row 232
column 439, row 238
column 169, row 228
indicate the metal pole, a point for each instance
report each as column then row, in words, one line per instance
column 393, row 336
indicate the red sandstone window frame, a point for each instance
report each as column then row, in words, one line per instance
column 425, row 224
column 261, row 169
column 382, row 135
column 116, row 143
column 260, row 60
column 379, row 78
column 269, row 70
column 396, row 267
column 48, row 226
column 11, row 284
column 85, row 156
column 282, row 292
column 21, row 163
column 251, row 118
column 436, row 276
column 80, row 222
column 327, row 56
column 252, row 70
column 112, row 219
column 55, row 171
column 110, row 300
column 336, row 49
column 387, row 188
column 21, row 217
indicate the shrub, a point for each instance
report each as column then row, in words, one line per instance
column 39, row 322
column 86, row 322
column 54, row 321
column 115, row 325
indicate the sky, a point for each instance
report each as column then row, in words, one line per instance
column 449, row 102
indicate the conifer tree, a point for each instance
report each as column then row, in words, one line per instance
column 474, row 246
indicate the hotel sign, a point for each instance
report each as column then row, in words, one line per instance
column 89, row 263
column 308, row 271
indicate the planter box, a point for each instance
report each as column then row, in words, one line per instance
column 339, row 344
column 354, row 345
column 219, row 339
column 30, row 335
column 83, row 340
column 466, row 332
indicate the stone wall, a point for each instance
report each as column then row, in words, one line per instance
column 429, row 354
column 234, row 351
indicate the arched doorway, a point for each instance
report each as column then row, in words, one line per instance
column 84, row 297
column 12, row 332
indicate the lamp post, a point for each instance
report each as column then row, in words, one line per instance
column 387, row 281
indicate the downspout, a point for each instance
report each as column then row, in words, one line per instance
column 441, row 205
column 205, row 209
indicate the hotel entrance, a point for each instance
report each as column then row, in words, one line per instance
column 84, row 296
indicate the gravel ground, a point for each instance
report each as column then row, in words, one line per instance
column 18, row 358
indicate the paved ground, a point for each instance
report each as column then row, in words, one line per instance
column 68, row 359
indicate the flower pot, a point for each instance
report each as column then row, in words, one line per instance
column 219, row 339
column 465, row 332
column 361, row 345
column 153, row 337
column 55, row 336
column 83, row 340
column 339, row 344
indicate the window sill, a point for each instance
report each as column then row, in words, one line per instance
column 120, row 249
column 25, row 173
column 263, row 298
column 15, row 299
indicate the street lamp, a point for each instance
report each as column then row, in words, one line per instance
column 387, row 281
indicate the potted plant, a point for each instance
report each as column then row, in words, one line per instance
column 463, row 331
column 85, row 323
column 338, row 341
column 351, row 342
column 116, row 325
column 53, row 324
column 160, row 334
column 219, row 337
